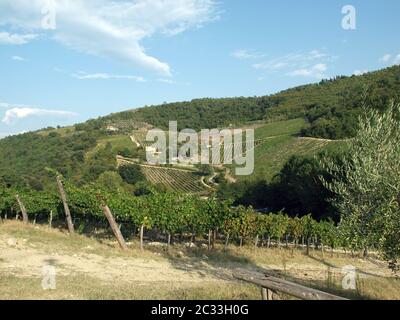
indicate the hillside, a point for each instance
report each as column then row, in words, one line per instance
column 280, row 141
column 324, row 104
column 84, row 152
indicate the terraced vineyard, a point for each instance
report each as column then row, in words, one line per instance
column 175, row 179
column 280, row 141
column 172, row 178
column 231, row 152
column 274, row 144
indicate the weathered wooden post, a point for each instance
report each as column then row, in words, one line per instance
column 209, row 239
column 267, row 294
column 226, row 242
column 51, row 218
column 169, row 240
column 214, row 237
column 23, row 209
column 141, row 236
column 115, row 228
column 256, row 242
column 66, row 207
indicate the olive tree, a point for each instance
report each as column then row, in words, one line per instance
column 366, row 184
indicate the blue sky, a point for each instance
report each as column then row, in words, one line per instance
column 105, row 56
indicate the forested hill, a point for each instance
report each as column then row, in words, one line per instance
column 85, row 151
column 331, row 106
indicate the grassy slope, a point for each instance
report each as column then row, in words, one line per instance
column 89, row 269
column 281, row 141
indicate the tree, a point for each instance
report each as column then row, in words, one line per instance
column 367, row 185
column 131, row 174
column 298, row 189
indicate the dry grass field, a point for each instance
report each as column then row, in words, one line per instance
column 88, row 268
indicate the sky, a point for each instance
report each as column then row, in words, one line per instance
column 66, row 61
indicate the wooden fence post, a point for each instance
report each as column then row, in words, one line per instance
column 23, row 209
column 141, row 236
column 209, row 239
column 226, row 242
column 66, row 207
column 115, row 228
column 214, row 238
column 256, row 242
column 267, row 294
column 51, row 218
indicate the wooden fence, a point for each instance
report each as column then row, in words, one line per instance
column 271, row 286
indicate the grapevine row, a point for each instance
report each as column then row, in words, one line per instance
column 173, row 213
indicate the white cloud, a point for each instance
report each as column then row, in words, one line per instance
column 397, row 59
column 22, row 112
column 360, row 72
column 106, row 76
column 244, row 54
column 168, row 81
column 386, row 58
column 171, row 82
column 390, row 59
column 8, row 134
column 6, row 105
column 316, row 71
column 18, row 58
column 301, row 62
column 112, row 29
column 16, row 39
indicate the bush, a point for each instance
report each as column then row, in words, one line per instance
column 131, row 174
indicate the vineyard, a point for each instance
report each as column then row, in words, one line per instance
column 172, row 214
column 275, row 151
column 174, row 179
column 230, row 152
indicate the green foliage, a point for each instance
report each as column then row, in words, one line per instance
column 111, row 180
column 23, row 158
column 366, row 184
column 279, row 226
column 309, row 226
column 296, row 190
column 205, row 170
column 331, row 122
column 170, row 213
column 331, row 106
column 131, row 173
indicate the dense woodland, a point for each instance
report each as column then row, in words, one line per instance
column 331, row 106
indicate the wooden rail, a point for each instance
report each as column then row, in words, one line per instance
column 271, row 286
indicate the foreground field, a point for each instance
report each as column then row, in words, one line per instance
column 91, row 269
